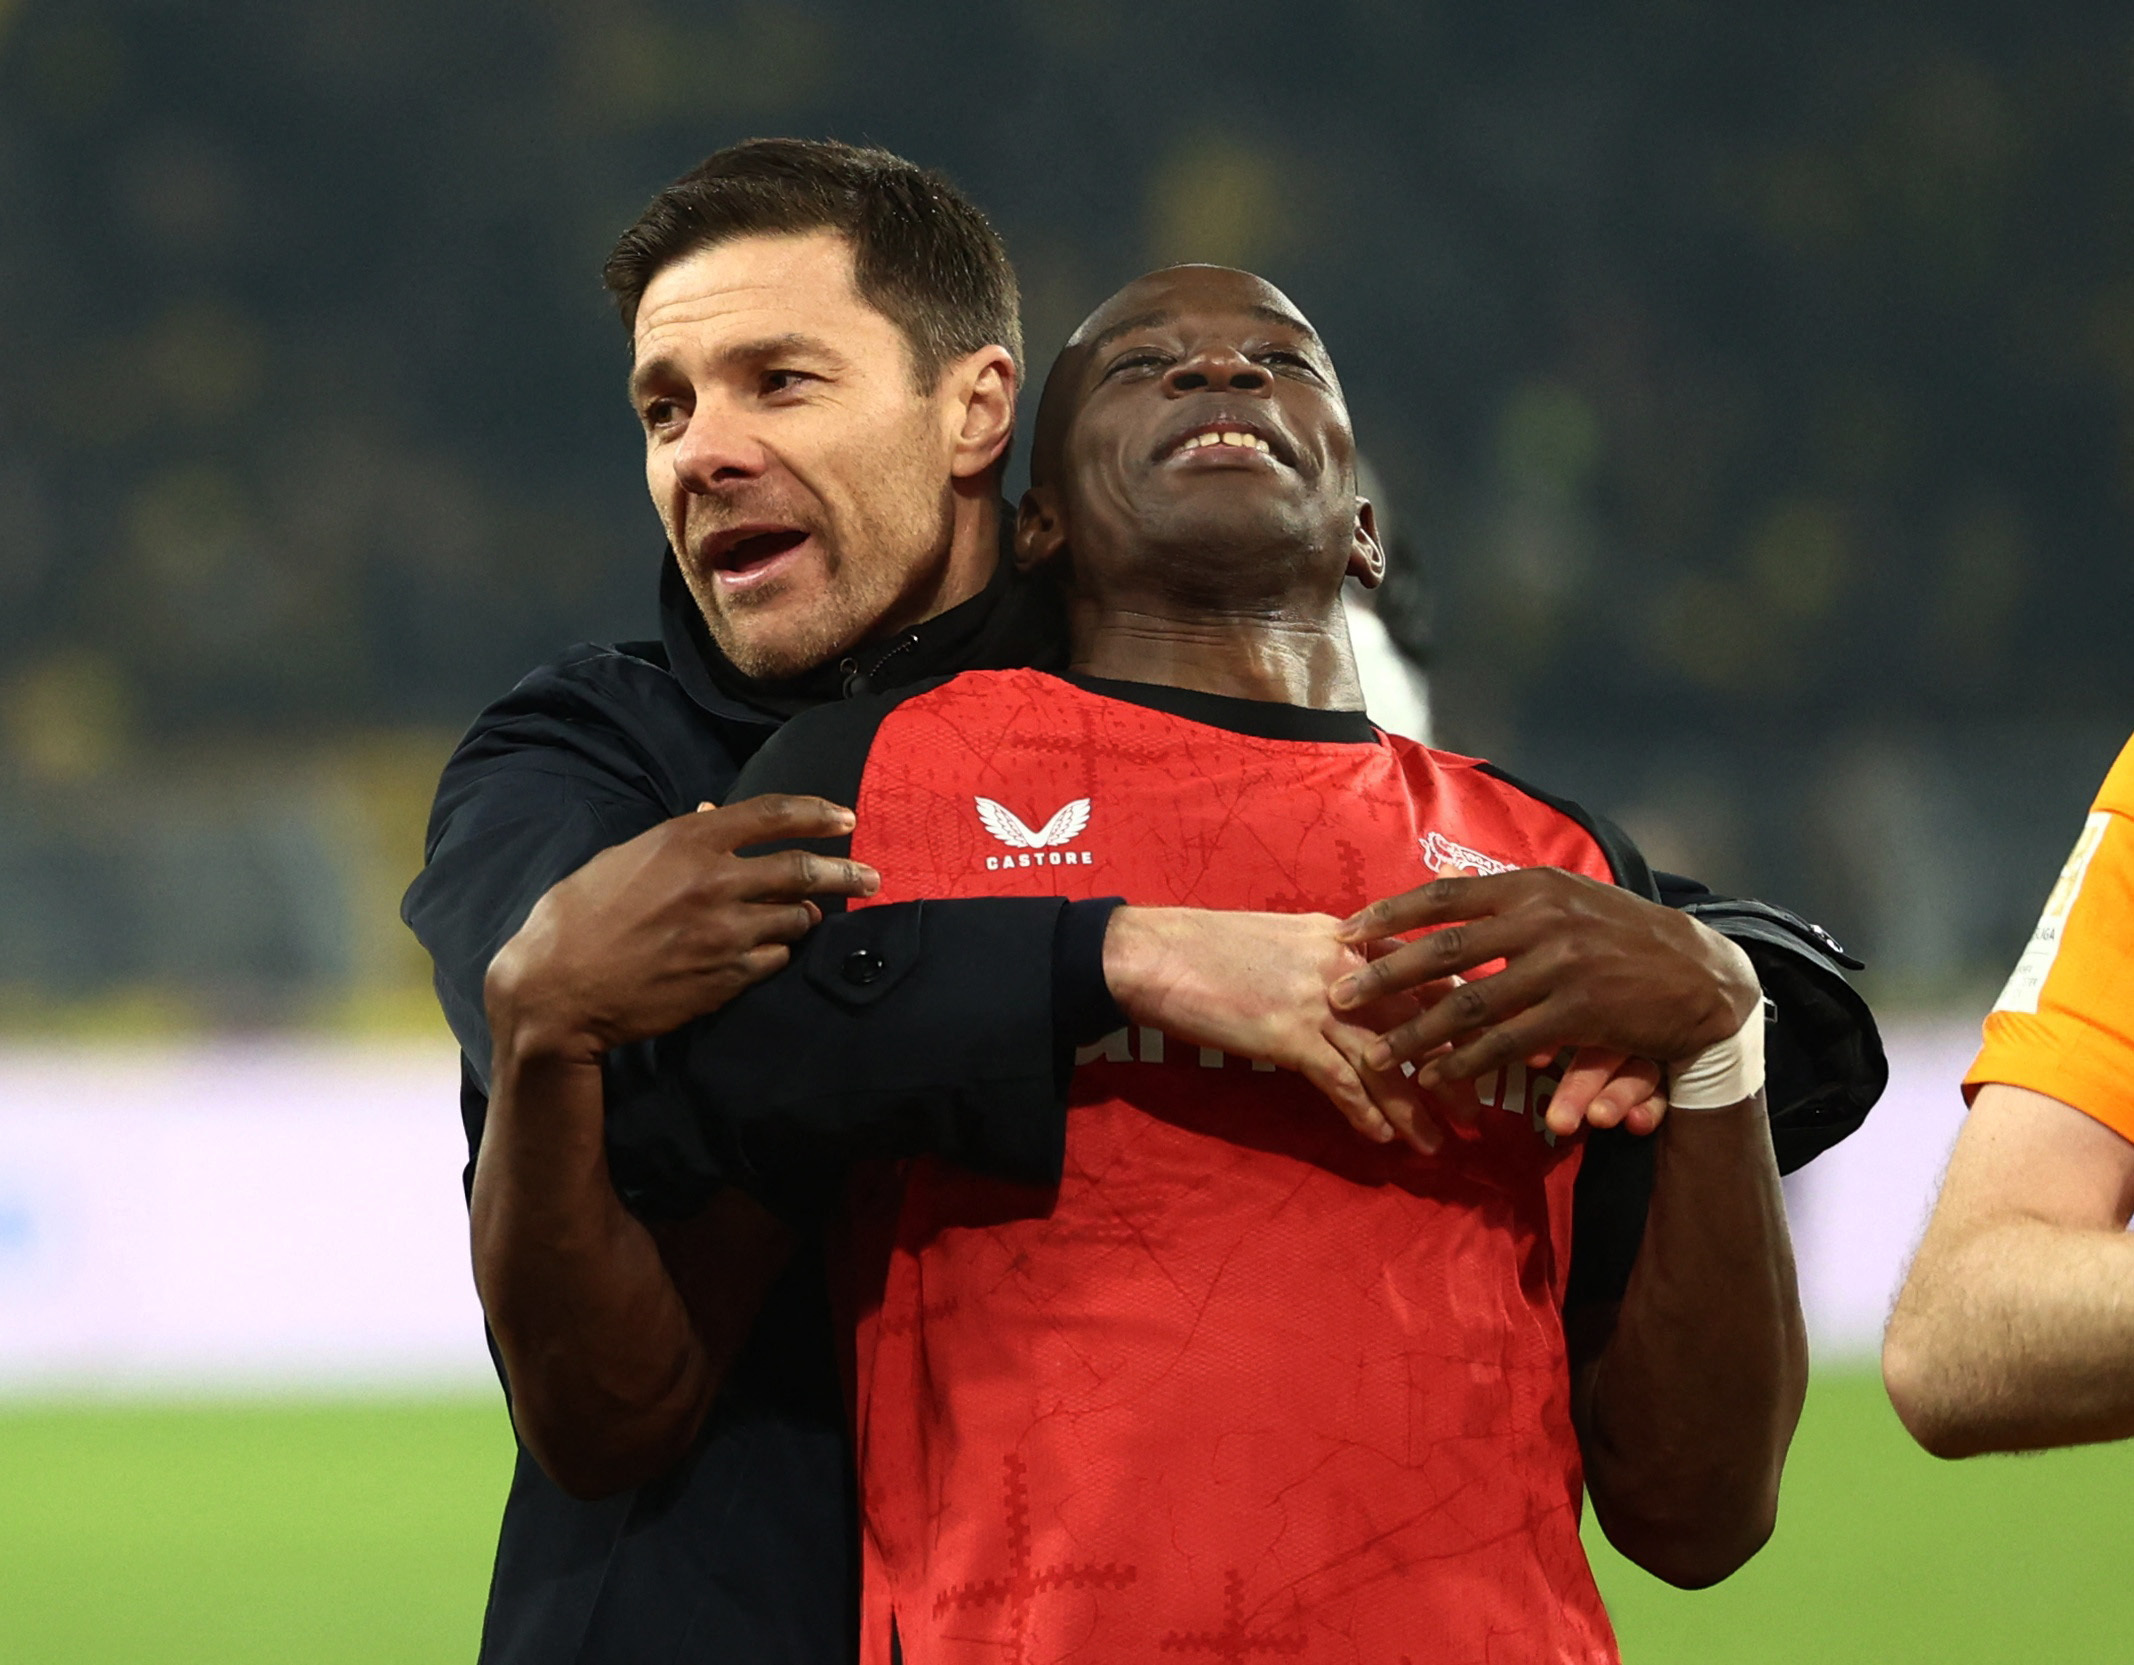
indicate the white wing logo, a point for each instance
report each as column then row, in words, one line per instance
column 1004, row 824
column 1439, row 853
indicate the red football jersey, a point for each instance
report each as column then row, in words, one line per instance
column 1243, row 1385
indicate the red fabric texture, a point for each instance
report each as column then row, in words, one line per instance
column 1243, row 1386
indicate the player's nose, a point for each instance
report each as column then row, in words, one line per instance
column 1215, row 367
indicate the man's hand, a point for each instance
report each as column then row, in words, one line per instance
column 1254, row 984
column 1599, row 1088
column 1586, row 965
column 668, row 927
column 614, row 1341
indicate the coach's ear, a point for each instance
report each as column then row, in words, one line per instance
column 1040, row 533
column 1367, row 556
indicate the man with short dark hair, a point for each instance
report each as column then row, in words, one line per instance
column 795, row 282
column 797, row 455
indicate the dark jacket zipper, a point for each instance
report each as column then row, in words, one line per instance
column 859, row 681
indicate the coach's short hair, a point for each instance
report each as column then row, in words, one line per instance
column 922, row 255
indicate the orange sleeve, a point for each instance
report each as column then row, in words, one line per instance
column 2064, row 1025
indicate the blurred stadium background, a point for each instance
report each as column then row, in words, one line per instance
column 1753, row 389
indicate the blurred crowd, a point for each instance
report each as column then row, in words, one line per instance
column 1753, row 389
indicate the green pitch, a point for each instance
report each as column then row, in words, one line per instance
column 1884, row 1556
column 296, row 1534
column 336, row 1533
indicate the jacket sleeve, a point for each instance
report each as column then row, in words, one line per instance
column 541, row 784
column 938, row 1027
column 916, row 1027
column 959, row 1017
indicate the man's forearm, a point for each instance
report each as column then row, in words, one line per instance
column 2013, row 1336
column 610, row 1377
column 1685, row 1414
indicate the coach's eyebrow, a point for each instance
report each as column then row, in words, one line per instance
column 643, row 377
column 777, row 346
column 665, row 368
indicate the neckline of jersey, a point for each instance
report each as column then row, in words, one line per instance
column 1258, row 719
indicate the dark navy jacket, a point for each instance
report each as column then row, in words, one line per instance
column 957, row 1043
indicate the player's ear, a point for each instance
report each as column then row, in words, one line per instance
column 1367, row 556
column 1040, row 533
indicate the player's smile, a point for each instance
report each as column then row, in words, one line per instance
column 1212, row 375
column 1224, row 439
column 1196, row 412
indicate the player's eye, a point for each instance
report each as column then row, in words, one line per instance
column 1283, row 358
column 658, row 414
column 784, row 381
column 1140, row 359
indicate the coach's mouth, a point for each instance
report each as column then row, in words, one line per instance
column 743, row 556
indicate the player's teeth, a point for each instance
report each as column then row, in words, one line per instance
column 1228, row 436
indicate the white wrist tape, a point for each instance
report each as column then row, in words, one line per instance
column 1724, row 1073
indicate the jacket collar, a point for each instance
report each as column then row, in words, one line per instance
column 1015, row 621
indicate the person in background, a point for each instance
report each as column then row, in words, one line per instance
column 2015, row 1326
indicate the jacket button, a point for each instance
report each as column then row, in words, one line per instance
column 863, row 966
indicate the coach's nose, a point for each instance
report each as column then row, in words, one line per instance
column 1215, row 367
column 717, row 450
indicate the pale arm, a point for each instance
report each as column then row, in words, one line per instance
column 2015, row 1327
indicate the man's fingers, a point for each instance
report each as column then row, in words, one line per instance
column 1331, row 1073
column 1583, row 1084
column 773, row 816
column 1493, row 1048
column 1633, row 1084
column 1407, row 1109
column 1393, row 1091
column 762, row 922
column 799, row 873
column 1645, row 1119
column 1440, row 902
column 1434, row 958
column 1477, row 1003
column 765, row 961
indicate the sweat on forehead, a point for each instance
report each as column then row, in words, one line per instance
column 1150, row 301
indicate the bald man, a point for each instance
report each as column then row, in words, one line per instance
column 1238, row 1382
